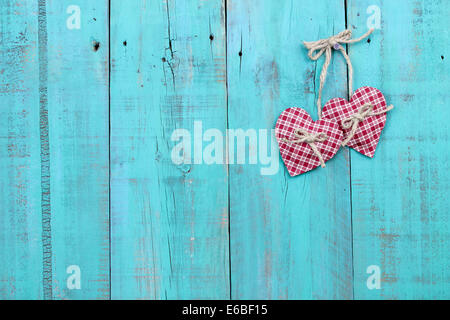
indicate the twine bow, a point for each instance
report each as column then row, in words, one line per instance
column 311, row 139
column 316, row 50
column 353, row 121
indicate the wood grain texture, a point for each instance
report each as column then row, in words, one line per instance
column 400, row 198
column 169, row 221
column 78, row 130
column 290, row 237
column 55, row 130
column 20, row 191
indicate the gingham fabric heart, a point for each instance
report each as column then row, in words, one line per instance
column 300, row 157
column 368, row 132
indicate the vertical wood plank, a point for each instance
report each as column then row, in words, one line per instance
column 55, row 155
column 169, row 221
column 20, row 190
column 78, row 105
column 400, row 201
column 290, row 237
column 46, row 212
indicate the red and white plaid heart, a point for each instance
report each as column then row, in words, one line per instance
column 299, row 157
column 367, row 134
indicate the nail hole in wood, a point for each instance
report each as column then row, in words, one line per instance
column 96, row 45
column 125, row 43
column 211, row 37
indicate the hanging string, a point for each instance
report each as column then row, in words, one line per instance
column 319, row 47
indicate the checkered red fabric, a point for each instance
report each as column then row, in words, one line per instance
column 299, row 157
column 368, row 133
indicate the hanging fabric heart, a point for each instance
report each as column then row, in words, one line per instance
column 364, row 116
column 305, row 144
column 361, row 119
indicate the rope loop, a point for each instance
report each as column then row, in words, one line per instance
column 317, row 48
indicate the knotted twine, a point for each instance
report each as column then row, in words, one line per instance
column 310, row 138
column 317, row 48
column 353, row 121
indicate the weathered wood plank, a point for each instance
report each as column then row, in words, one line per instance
column 169, row 221
column 78, row 139
column 20, row 191
column 290, row 237
column 55, row 155
column 400, row 198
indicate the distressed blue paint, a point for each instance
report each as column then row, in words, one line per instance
column 21, row 268
column 78, row 125
column 46, row 220
column 54, row 122
column 169, row 222
column 290, row 237
column 400, row 197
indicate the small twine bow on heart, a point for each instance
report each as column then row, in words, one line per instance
column 317, row 48
column 310, row 138
column 362, row 114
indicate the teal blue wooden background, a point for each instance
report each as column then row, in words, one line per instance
column 86, row 176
